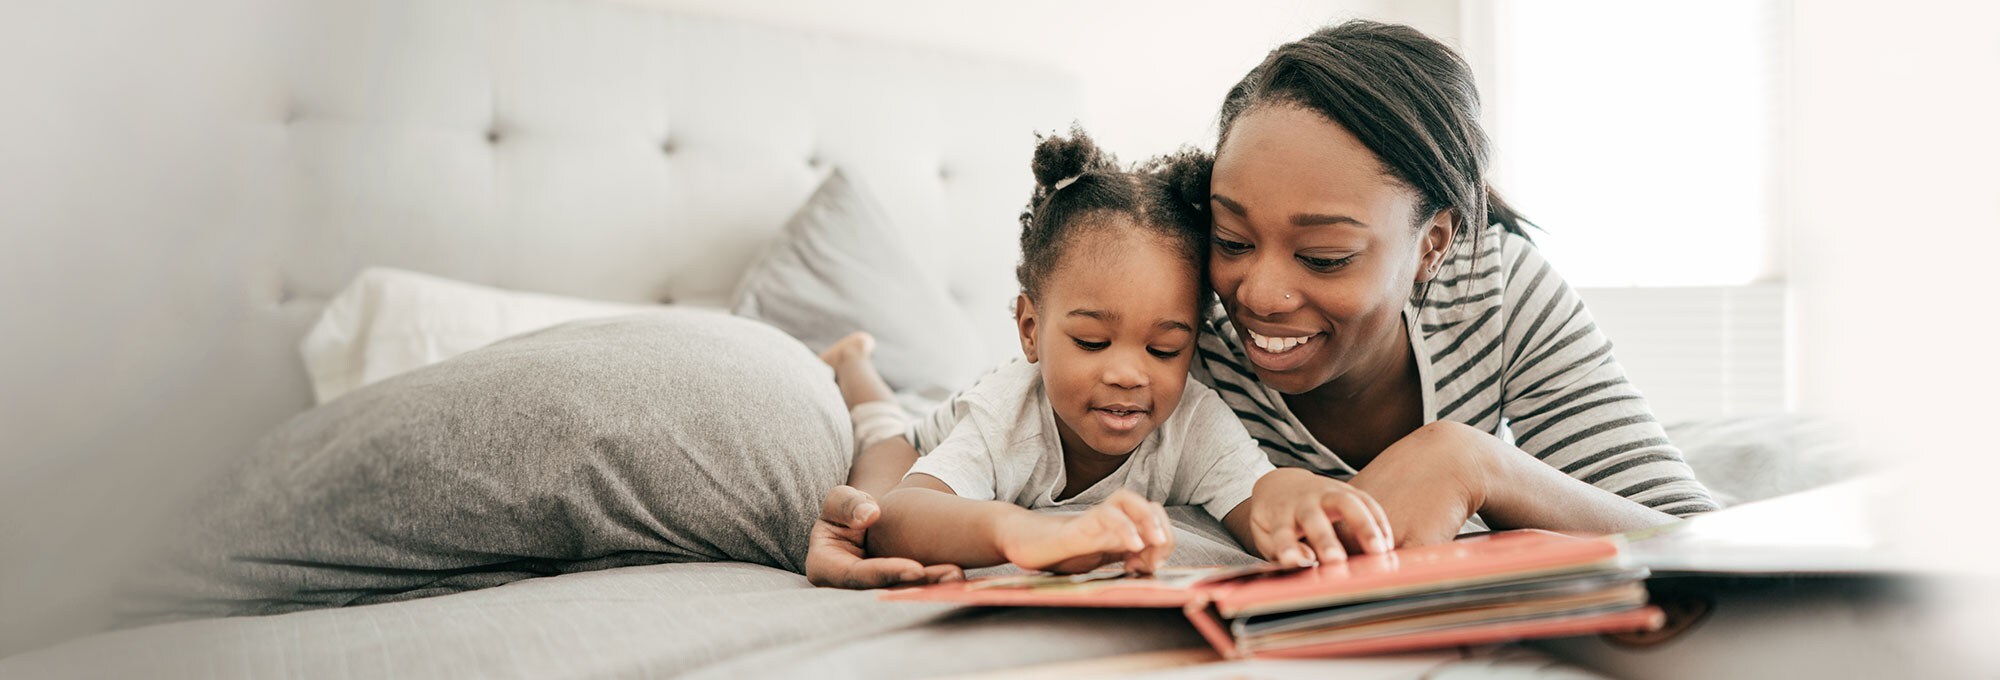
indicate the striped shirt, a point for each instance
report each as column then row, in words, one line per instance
column 1500, row 342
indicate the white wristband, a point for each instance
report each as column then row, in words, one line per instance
column 877, row 421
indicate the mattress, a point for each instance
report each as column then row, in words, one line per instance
column 708, row 620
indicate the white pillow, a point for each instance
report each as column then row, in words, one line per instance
column 389, row 321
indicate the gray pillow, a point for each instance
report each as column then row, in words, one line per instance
column 840, row 267
column 676, row 436
column 1750, row 458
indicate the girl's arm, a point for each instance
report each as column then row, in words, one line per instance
column 923, row 520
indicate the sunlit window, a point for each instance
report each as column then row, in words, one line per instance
column 1640, row 135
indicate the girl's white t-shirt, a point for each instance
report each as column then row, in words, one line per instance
column 998, row 441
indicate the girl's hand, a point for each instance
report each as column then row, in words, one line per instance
column 1125, row 527
column 1290, row 505
column 1432, row 480
column 835, row 556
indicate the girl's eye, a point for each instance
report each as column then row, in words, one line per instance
column 1163, row 354
column 1091, row 346
column 1323, row 265
column 1229, row 247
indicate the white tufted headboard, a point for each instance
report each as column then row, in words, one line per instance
column 201, row 177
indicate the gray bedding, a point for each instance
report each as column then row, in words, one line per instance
column 720, row 619
column 698, row 620
column 586, row 446
column 703, row 620
column 667, row 539
column 665, row 502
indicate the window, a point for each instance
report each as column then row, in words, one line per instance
column 1640, row 135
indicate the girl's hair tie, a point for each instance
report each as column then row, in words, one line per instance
column 1066, row 181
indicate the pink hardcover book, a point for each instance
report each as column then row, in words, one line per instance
column 1493, row 588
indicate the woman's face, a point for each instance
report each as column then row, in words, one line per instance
column 1315, row 249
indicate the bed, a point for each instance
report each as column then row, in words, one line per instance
column 585, row 149
column 262, row 154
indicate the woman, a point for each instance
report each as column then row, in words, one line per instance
column 1367, row 330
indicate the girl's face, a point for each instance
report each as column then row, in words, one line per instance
column 1313, row 251
column 1113, row 334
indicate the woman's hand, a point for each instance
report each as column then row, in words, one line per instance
column 1125, row 527
column 835, row 556
column 1290, row 505
column 1433, row 480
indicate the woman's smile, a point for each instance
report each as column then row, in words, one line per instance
column 1277, row 349
column 1280, row 344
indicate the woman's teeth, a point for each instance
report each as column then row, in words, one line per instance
column 1277, row 345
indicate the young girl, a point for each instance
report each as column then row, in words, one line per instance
column 1099, row 411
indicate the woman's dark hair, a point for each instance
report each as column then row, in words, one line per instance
column 1079, row 188
column 1408, row 98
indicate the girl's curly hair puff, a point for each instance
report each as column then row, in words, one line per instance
column 1079, row 187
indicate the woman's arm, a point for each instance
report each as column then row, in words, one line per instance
column 1590, row 455
column 1528, row 493
column 1431, row 481
column 835, row 555
column 1573, row 412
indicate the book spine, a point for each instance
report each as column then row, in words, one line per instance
column 1209, row 624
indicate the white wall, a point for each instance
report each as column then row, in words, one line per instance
column 1153, row 73
column 1893, row 194
column 1698, row 352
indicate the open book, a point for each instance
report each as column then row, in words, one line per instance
column 1497, row 587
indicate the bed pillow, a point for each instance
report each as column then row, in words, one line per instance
column 840, row 267
column 1748, row 458
column 389, row 321
column 677, row 436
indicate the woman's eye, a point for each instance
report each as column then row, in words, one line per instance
column 1164, row 354
column 1322, row 264
column 1091, row 346
column 1229, row 247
